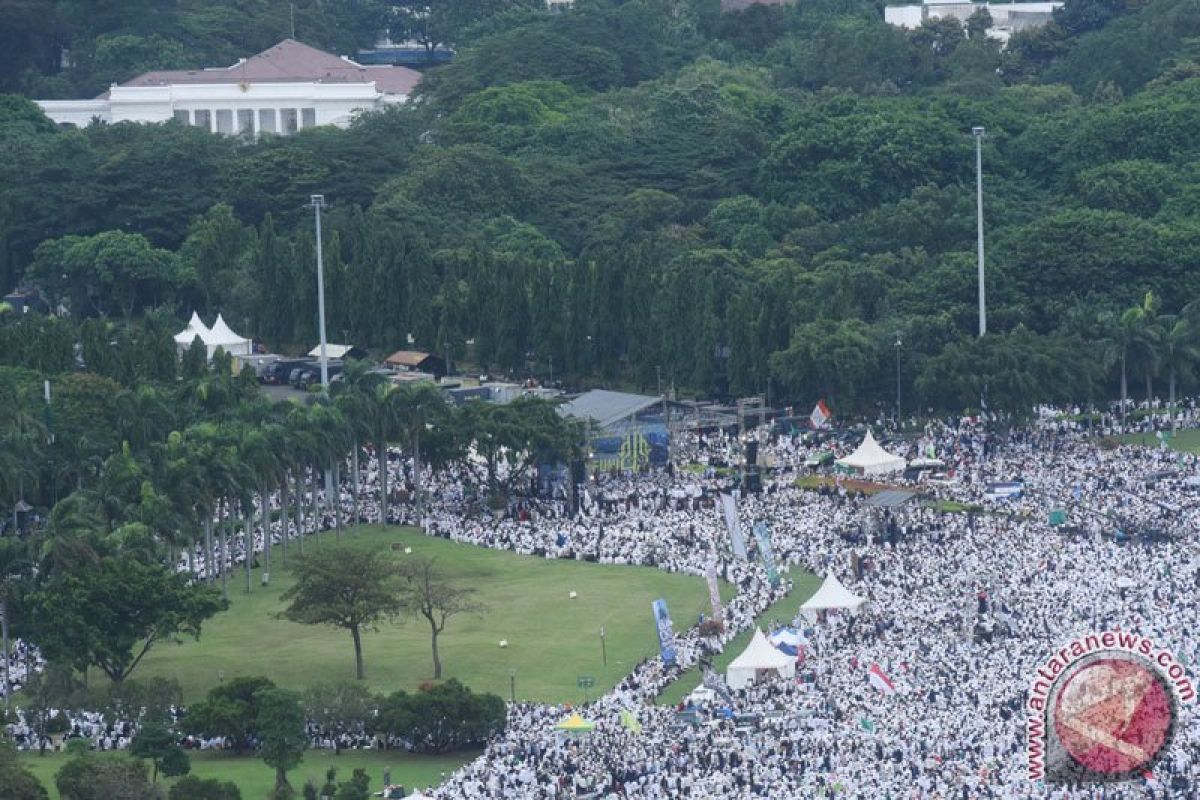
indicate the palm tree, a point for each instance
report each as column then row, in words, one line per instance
column 143, row 416
column 352, row 396
column 384, row 412
column 1180, row 342
column 420, row 404
column 1145, row 337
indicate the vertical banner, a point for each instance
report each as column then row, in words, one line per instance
column 714, row 589
column 666, row 633
column 763, row 535
column 731, row 521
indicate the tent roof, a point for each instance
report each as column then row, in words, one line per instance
column 223, row 334
column 832, row 594
column 195, row 327
column 607, row 407
column 870, row 454
column 331, row 350
column 575, row 723
column 761, row 654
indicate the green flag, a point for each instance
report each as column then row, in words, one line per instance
column 630, row 721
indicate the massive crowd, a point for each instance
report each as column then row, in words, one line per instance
column 961, row 610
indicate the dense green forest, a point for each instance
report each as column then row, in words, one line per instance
column 747, row 202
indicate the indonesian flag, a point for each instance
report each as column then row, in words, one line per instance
column 880, row 680
column 820, row 415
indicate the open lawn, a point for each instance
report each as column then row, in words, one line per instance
column 782, row 611
column 551, row 639
column 1187, row 440
column 256, row 779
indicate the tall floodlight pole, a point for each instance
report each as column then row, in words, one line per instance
column 978, row 132
column 318, row 202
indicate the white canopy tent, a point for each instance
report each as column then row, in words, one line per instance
column 759, row 656
column 224, row 337
column 832, row 595
column 195, row 327
column 871, row 459
column 219, row 335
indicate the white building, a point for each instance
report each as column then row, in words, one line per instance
column 1007, row 18
column 281, row 90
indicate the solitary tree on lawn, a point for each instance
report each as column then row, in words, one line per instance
column 425, row 591
column 346, row 587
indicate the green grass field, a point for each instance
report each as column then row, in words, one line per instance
column 552, row 640
column 1187, row 440
column 256, row 779
column 782, row 611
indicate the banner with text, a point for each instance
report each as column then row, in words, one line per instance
column 763, row 535
column 666, row 633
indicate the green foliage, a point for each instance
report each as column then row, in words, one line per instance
column 159, row 745
column 18, row 782
column 282, row 739
column 111, row 613
column 349, row 588
column 192, row 787
column 90, row 777
column 230, row 710
column 443, row 718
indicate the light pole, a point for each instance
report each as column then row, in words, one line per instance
column 898, row 345
column 318, row 202
column 512, row 685
column 603, row 647
column 978, row 132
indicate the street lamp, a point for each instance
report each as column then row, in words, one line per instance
column 978, row 132
column 898, row 346
column 512, row 685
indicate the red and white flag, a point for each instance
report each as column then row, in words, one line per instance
column 880, row 680
column 820, row 415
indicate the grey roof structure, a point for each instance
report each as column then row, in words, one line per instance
column 604, row 407
column 890, row 498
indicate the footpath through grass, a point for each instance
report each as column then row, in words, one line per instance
column 256, row 779
column 782, row 611
column 552, row 640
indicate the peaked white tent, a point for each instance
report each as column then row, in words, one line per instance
column 195, row 327
column 224, row 337
column 871, row 459
column 760, row 656
column 832, row 595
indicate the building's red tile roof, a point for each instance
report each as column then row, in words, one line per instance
column 289, row 62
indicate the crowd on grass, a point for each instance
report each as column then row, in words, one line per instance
column 962, row 608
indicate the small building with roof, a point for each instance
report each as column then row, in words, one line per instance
column 415, row 361
column 282, row 90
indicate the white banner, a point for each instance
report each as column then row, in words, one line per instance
column 735, row 529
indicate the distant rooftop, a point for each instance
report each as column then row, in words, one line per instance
column 289, row 62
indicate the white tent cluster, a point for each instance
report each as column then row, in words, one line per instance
column 219, row 335
column 871, row 459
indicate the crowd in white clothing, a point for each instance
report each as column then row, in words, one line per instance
column 961, row 609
